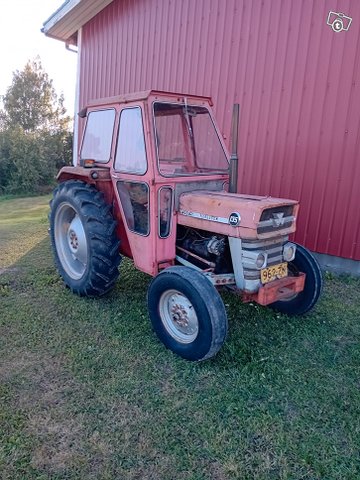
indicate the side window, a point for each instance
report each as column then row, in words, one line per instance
column 98, row 135
column 130, row 152
column 165, row 211
column 134, row 197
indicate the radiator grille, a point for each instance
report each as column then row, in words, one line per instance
column 275, row 219
column 274, row 249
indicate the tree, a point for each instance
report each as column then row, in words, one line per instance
column 31, row 101
column 35, row 140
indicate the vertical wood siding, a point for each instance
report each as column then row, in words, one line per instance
column 297, row 82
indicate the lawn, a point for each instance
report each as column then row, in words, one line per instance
column 88, row 392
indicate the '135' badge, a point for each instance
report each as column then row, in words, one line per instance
column 234, row 219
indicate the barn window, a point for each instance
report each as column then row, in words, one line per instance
column 130, row 152
column 98, row 136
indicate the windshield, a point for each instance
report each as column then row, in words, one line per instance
column 187, row 142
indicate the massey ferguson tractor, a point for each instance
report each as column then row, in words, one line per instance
column 154, row 182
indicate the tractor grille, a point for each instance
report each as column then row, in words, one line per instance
column 273, row 247
column 275, row 219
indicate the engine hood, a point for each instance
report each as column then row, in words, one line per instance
column 236, row 215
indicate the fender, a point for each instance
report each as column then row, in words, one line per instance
column 100, row 178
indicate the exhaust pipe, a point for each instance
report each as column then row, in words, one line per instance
column 234, row 160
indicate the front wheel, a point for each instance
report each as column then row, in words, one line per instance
column 187, row 313
column 304, row 301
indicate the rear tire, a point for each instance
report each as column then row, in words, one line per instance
column 304, row 301
column 84, row 243
column 187, row 313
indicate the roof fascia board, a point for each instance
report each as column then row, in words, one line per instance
column 59, row 14
column 71, row 16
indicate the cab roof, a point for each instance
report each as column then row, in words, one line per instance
column 147, row 94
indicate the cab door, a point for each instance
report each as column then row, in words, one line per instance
column 132, row 177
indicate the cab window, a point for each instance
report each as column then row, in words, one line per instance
column 134, row 198
column 165, row 199
column 187, row 141
column 130, row 153
column 98, row 136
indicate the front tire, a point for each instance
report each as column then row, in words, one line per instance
column 83, row 239
column 304, row 301
column 187, row 313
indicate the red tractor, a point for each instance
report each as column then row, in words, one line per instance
column 154, row 182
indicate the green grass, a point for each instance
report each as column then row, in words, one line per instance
column 88, row 392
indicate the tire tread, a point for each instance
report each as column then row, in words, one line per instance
column 209, row 299
column 100, row 225
column 306, row 299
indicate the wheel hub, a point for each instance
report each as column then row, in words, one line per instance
column 77, row 240
column 178, row 316
column 73, row 240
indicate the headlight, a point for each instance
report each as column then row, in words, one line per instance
column 289, row 252
column 261, row 261
column 255, row 259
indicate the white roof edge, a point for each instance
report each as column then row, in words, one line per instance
column 71, row 16
column 59, row 14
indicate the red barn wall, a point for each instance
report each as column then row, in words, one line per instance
column 297, row 82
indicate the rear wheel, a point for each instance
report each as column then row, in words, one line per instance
column 187, row 313
column 304, row 301
column 83, row 238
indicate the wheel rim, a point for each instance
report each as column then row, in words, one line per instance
column 70, row 240
column 178, row 316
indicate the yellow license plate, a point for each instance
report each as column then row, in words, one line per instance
column 272, row 273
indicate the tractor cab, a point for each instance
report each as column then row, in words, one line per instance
column 153, row 146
